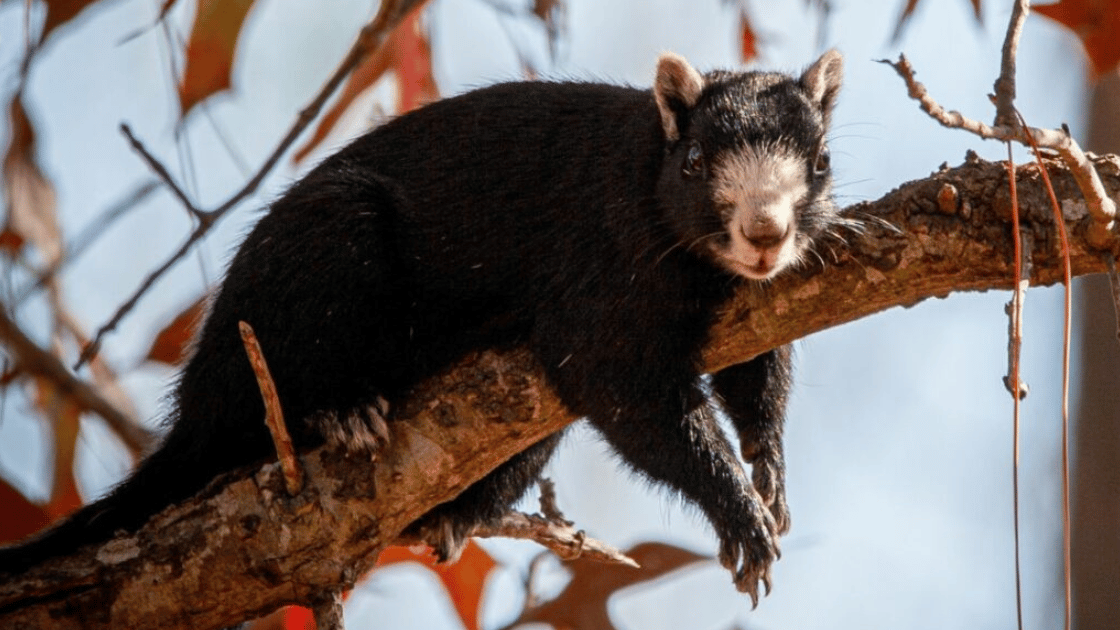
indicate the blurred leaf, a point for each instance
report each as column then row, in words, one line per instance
column 21, row 517
column 748, row 41
column 1096, row 23
column 412, row 61
column 548, row 10
column 408, row 54
column 210, row 50
column 908, row 12
column 28, row 195
column 10, row 241
column 65, row 421
column 60, row 12
column 286, row 618
column 551, row 12
column 583, row 602
column 171, row 344
column 463, row 580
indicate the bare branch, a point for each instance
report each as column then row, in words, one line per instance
column 558, row 536
column 1005, row 84
column 160, row 170
column 1009, row 128
column 550, row 530
column 94, row 346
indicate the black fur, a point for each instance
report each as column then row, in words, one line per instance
column 547, row 215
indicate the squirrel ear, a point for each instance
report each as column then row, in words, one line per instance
column 822, row 80
column 677, row 89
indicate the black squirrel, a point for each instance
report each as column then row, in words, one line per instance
column 600, row 226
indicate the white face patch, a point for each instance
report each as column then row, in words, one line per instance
column 757, row 191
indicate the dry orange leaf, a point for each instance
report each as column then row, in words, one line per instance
column 748, row 40
column 463, row 580
column 583, row 602
column 286, row 618
column 60, row 12
column 64, row 417
column 1096, row 23
column 29, row 195
column 551, row 13
column 407, row 53
column 171, row 343
column 21, row 517
column 10, row 241
column 210, row 50
column 908, row 12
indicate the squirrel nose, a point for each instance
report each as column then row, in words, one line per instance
column 764, row 234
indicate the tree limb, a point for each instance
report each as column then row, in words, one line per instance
column 243, row 547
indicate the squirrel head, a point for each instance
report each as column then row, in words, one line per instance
column 746, row 180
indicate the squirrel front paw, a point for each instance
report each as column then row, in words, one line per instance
column 768, row 475
column 749, row 545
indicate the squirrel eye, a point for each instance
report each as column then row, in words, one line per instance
column 694, row 160
column 823, row 162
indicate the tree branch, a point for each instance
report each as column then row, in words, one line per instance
column 1100, row 204
column 243, row 547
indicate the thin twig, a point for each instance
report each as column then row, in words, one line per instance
column 549, row 507
column 1005, row 84
column 1100, row 205
column 94, row 346
column 160, row 170
column 371, row 37
column 560, row 537
column 273, row 413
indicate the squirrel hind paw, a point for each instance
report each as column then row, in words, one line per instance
column 447, row 536
column 362, row 431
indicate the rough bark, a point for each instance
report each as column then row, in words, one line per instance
column 243, row 547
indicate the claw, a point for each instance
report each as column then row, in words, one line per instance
column 380, row 429
column 752, row 590
column 445, row 538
